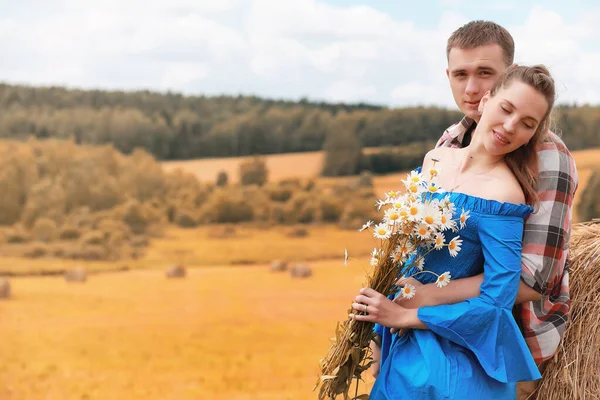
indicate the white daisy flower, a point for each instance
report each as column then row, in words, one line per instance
column 398, row 256
column 454, row 246
column 423, row 231
column 446, row 221
column 433, row 188
column 414, row 211
column 380, row 203
column 464, row 216
column 408, row 291
column 392, row 216
column 413, row 178
column 414, row 189
column 434, row 171
column 439, row 241
column 366, row 226
column 374, row 261
column 376, row 252
column 420, row 264
column 382, row 231
column 443, row 279
column 430, row 215
column 448, row 206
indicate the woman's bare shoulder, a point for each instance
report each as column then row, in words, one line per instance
column 440, row 155
column 504, row 187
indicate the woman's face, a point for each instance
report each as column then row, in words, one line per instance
column 510, row 118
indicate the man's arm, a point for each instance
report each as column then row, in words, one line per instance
column 459, row 290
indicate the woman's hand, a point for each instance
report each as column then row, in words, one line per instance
column 380, row 309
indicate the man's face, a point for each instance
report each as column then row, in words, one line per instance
column 472, row 72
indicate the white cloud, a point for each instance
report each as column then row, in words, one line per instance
column 283, row 49
column 349, row 91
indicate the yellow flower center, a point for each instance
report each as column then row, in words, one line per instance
column 433, row 189
column 429, row 219
column 413, row 188
column 414, row 211
column 394, row 217
column 415, row 179
column 462, row 218
column 403, row 213
column 422, row 231
column 406, row 290
column 382, row 231
column 444, row 219
column 433, row 172
column 438, row 240
column 452, row 245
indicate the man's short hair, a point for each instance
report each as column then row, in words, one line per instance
column 480, row 33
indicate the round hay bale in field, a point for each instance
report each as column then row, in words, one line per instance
column 298, row 232
column 573, row 372
column 300, row 271
column 76, row 275
column 222, row 232
column 279, row 266
column 4, row 289
column 176, row 271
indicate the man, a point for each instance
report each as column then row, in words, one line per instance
column 478, row 53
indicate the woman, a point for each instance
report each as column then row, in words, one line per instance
column 474, row 349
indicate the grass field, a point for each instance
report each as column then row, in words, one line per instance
column 222, row 334
column 231, row 330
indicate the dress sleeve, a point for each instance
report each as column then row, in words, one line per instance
column 485, row 324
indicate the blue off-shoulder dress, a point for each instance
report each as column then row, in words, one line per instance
column 473, row 349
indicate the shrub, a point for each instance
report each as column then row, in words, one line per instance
column 92, row 238
column 365, row 179
column 222, row 179
column 253, row 171
column 69, row 232
column 186, row 218
column 226, row 207
column 93, row 252
column 17, row 234
column 589, row 204
column 44, row 230
column 36, row 250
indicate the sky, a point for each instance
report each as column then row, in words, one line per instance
column 386, row 52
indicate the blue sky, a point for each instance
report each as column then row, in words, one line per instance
column 388, row 52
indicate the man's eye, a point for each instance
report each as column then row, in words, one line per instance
column 504, row 109
column 485, row 73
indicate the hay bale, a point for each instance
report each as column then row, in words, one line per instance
column 300, row 271
column 222, row 232
column 176, row 271
column 298, row 232
column 76, row 275
column 573, row 372
column 279, row 266
column 4, row 289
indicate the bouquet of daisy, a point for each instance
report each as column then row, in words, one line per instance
column 413, row 225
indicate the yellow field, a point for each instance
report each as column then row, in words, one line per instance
column 230, row 330
column 222, row 334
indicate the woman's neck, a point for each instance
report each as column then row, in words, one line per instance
column 476, row 156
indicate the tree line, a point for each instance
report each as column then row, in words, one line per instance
column 171, row 126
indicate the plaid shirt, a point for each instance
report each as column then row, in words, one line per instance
column 545, row 264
